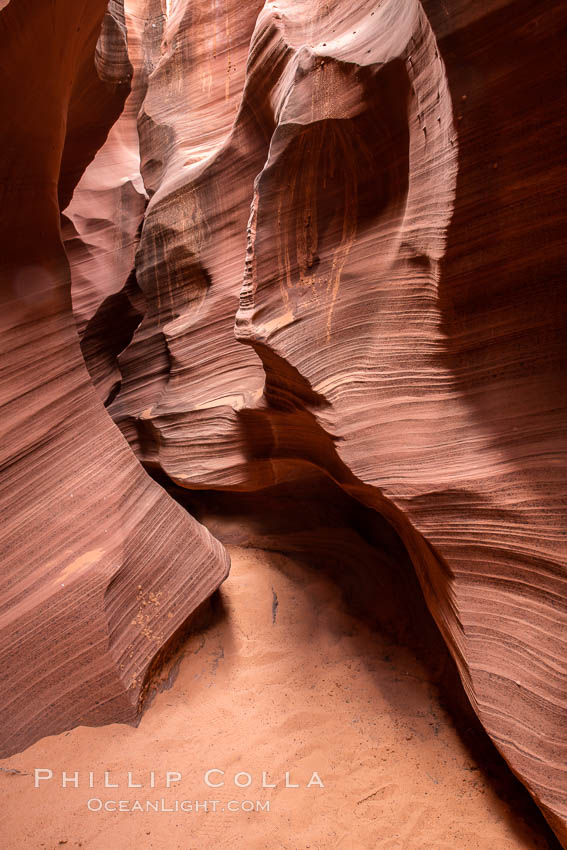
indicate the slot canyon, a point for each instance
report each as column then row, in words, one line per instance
column 283, row 437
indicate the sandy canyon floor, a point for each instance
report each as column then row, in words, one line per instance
column 286, row 679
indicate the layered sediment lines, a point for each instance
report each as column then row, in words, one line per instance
column 381, row 304
column 100, row 568
column 369, row 194
column 333, row 240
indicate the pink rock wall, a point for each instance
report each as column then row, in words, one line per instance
column 335, row 240
column 99, row 566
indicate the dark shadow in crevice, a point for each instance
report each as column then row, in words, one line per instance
column 164, row 668
column 501, row 295
column 315, row 522
column 108, row 333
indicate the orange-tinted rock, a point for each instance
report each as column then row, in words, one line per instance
column 373, row 197
column 101, row 228
column 99, row 566
column 199, row 156
column 399, row 290
column 417, row 319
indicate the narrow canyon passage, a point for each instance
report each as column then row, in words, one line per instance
column 286, row 678
column 281, row 281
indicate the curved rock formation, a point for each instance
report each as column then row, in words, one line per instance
column 370, row 194
column 199, row 159
column 389, row 293
column 435, row 395
column 424, row 353
column 99, row 566
column 101, row 229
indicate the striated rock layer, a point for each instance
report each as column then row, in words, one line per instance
column 381, row 301
column 100, row 568
column 319, row 234
column 371, row 194
column 101, row 228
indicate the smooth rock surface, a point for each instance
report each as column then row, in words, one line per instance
column 399, row 172
column 100, row 567
column 351, row 259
